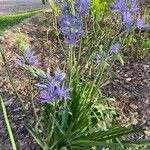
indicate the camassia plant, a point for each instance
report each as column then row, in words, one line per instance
column 74, row 114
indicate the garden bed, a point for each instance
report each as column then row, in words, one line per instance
column 130, row 85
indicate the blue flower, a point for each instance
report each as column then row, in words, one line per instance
column 98, row 57
column 128, row 19
column 120, row 6
column 28, row 58
column 59, row 76
column 51, row 88
column 114, row 48
column 81, row 7
column 133, row 8
column 71, row 28
column 66, row 20
column 48, row 94
column 140, row 23
column 20, row 60
column 70, row 24
column 114, row 17
column 130, row 14
column 63, row 93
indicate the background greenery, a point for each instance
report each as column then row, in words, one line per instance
column 13, row 19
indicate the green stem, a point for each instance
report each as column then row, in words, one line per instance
column 53, row 122
column 32, row 102
column 79, row 52
column 60, row 43
column 99, row 75
column 71, row 63
column 72, row 7
column 8, row 124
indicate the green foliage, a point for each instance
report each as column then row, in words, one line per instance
column 54, row 7
column 75, row 128
column 34, row 71
column 146, row 43
column 8, row 124
column 145, row 47
column 13, row 19
column 20, row 41
column 98, row 8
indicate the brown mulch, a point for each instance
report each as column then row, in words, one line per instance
column 130, row 87
column 131, row 90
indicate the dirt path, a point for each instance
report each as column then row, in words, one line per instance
column 9, row 6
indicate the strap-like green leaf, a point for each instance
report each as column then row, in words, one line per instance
column 37, row 139
column 8, row 124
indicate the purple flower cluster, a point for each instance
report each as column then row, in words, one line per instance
column 27, row 58
column 70, row 27
column 70, row 23
column 130, row 13
column 115, row 48
column 52, row 88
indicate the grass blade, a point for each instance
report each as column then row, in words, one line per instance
column 8, row 125
column 36, row 138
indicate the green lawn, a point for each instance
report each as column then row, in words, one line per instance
column 13, row 19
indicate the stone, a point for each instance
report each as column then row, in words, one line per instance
column 145, row 67
column 2, row 39
column 128, row 79
column 7, row 33
column 2, row 90
column 126, row 75
column 133, row 106
column 147, row 132
column 134, row 121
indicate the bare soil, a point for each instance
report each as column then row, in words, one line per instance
column 131, row 90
